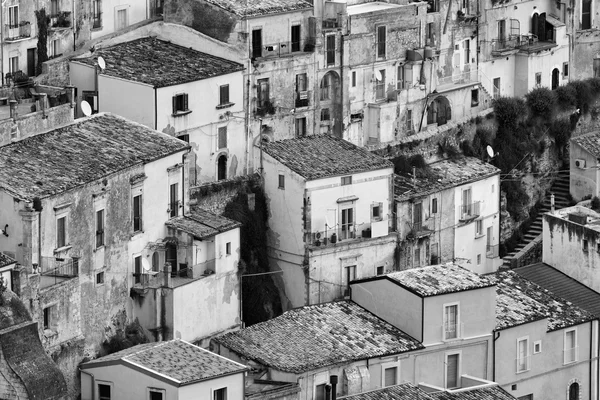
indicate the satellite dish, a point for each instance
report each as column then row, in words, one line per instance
column 378, row 76
column 490, row 151
column 146, row 265
column 101, row 62
column 86, row 109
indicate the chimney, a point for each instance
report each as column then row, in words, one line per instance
column 333, row 379
column 167, row 280
column 13, row 108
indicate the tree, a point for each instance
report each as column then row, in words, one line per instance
column 42, row 44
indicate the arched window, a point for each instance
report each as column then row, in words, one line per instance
column 534, row 24
column 574, row 391
column 555, row 78
column 222, row 167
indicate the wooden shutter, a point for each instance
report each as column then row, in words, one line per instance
column 452, row 371
column 390, row 376
column 185, row 102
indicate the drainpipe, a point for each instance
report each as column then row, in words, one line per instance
column 342, row 82
column 73, row 26
column 93, row 381
column 261, row 146
column 2, row 41
column 496, row 337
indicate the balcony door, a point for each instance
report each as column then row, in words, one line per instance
column 171, row 257
column 347, row 223
column 257, row 43
column 296, row 38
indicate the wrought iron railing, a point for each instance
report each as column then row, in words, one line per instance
column 57, row 266
column 18, row 31
column 469, row 211
column 280, row 49
column 471, row 76
column 342, row 232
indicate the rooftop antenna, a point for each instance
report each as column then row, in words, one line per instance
column 101, row 63
column 86, row 109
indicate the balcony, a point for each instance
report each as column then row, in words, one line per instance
column 282, row 49
column 20, row 31
column 419, row 230
column 368, row 230
column 265, row 107
column 492, row 251
column 468, row 212
column 62, row 20
column 54, row 270
column 469, row 77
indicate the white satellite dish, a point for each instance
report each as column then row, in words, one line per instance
column 378, row 76
column 101, row 62
column 146, row 265
column 490, row 151
column 86, row 109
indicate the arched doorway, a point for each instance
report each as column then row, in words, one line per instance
column 555, row 77
column 330, row 99
column 439, row 111
column 171, row 257
column 222, row 167
column 574, row 391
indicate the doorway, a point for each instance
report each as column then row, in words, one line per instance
column 555, row 76
column 31, row 62
column 222, row 168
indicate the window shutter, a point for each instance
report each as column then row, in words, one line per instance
column 452, row 371
column 390, row 376
column 185, row 102
column 174, row 104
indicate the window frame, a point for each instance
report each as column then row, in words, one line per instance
column 100, row 275
column 346, row 180
column 138, row 269
column 478, row 228
column 224, row 95
column 379, row 207
column 281, row 181
column 100, row 228
column 180, row 104
column 222, row 137
column 434, row 205
column 174, row 200
column 458, row 369
column 575, row 357
column 458, row 334
column 537, row 343
column 474, row 97
column 565, row 70
column 13, row 17
column 526, row 365
column 228, row 248
column 62, row 239
column 381, row 45
column 263, row 92
column 104, row 383
column 409, row 121
column 348, row 229
column 321, row 378
column 385, row 367
column 379, row 268
column 219, row 390
column 151, row 390
column 380, row 92
column 139, row 218
column 330, row 46
column 300, row 126
column 49, row 315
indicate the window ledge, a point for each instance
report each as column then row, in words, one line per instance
column 226, row 105
column 136, row 233
column 61, row 249
column 98, row 248
column 181, row 113
column 523, row 371
column 479, row 235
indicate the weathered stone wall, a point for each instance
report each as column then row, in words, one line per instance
column 55, row 72
column 33, row 123
column 214, row 196
column 531, row 254
column 585, row 49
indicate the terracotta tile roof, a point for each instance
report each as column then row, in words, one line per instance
column 519, row 301
column 202, row 224
column 6, row 260
column 159, row 63
column 590, row 142
column 312, row 337
column 176, row 360
column 483, row 393
column 443, row 175
column 563, row 286
column 81, row 152
column 404, row 391
column 438, row 279
column 322, row 156
column 256, row 8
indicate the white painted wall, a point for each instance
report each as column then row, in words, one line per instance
column 129, row 99
column 136, row 12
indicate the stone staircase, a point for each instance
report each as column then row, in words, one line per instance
column 560, row 189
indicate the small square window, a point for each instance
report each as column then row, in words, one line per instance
column 228, row 248
column 325, row 115
column 346, row 180
column 281, row 181
column 380, row 270
column 155, row 394
column 100, row 278
column 376, row 212
column 537, row 347
column 104, row 392
column 180, row 103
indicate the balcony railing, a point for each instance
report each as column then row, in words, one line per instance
column 332, row 23
column 61, row 267
column 19, row 31
column 340, row 233
column 513, row 42
column 452, row 331
column 492, row 251
column 469, row 211
column 466, row 77
column 61, row 20
column 281, row 49
column 523, row 364
column 97, row 21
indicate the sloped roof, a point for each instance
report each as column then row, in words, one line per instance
column 484, row 393
column 562, row 285
column 180, row 361
column 159, row 63
column 6, row 260
column 81, row 152
column 436, row 279
column 312, row 337
column 442, row 175
column 257, row 8
column 202, row 224
column 590, row 142
column 404, row 391
column 322, row 156
column 520, row 301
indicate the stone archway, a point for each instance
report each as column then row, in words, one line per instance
column 439, row 111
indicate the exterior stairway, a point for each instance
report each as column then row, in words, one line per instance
column 560, row 189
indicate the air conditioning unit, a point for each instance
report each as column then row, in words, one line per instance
column 579, row 163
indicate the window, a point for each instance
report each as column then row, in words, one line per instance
column 574, row 391
column 301, row 83
column 137, row 269
column 326, row 87
column 379, row 270
column 400, row 78
column 467, row 207
column 180, row 103
column 353, row 78
column 433, row 6
column 55, row 48
column 346, row 180
column 565, row 70
column 325, row 116
column 596, row 67
column 430, row 34
column 452, row 371
column 104, row 392
column 347, row 225
column 13, row 17
column 222, row 137
column 301, row 127
column 220, row 394
column 228, row 248
column 99, row 228
column 474, row 97
column 330, row 50
column 417, row 260
column 376, row 212
column 296, row 37
column 390, row 376
column 173, row 200
column 537, row 347
column 570, row 346
column 405, row 76
column 451, row 321
column 586, row 14
column 96, row 14
column 256, row 43
column 381, row 38
column 434, row 206
column 526, row 397
column 155, row 394
column 522, row 354
column 13, row 64
column 478, row 227
column 100, row 278
column 478, row 259
column 155, row 262
column 223, row 95
column 281, row 181
column 350, row 276
column 137, row 213
column 61, row 232
column 417, row 216
column 48, row 311
column 263, row 92
column 122, row 20
column 585, row 245
column 380, row 85
column 538, row 79
column 467, row 50
column 496, row 88
column 409, row 121
column 320, row 392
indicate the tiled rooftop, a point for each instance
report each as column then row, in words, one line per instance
column 590, row 142
column 5, row 260
column 316, row 336
column 443, row 175
column 177, row 360
column 404, row 391
column 256, row 8
column 519, row 301
column 202, row 224
column 562, row 285
column 483, row 393
column 322, row 156
column 159, row 63
column 81, row 152
column 438, row 279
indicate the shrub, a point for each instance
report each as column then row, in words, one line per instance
column 509, row 111
column 595, row 203
column 541, row 102
column 566, row 96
